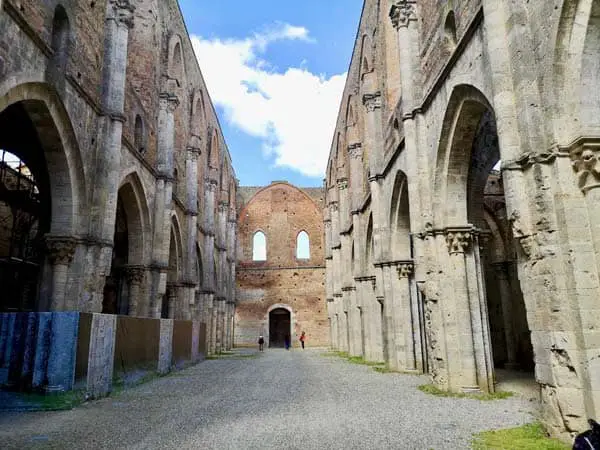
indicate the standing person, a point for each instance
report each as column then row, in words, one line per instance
column 287, row 341
column 261, row 343
column 302, row 339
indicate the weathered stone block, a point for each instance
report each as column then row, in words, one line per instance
column 165, row 349
column 101, row 355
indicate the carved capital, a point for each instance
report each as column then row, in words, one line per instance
column 60, row 250
column 405, row 270
column 223, row 207
column 342, row 184
column 334, row 207
column 193, row 153
column 135, row 274
column 403, row 12
column 168, row 102
column 372, row 102
column 122, row 12
column 584, row 161
column 210, row 185
column 355, row 151
column 458, row 241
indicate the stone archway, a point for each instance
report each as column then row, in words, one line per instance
column 44, row 142
column 469, row 150
column 280, row 323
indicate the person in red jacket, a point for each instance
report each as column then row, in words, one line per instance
column 302, row 339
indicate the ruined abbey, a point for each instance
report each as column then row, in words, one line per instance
column 455, row 233
column 461, row 187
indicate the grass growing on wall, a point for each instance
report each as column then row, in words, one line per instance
column 528, row 437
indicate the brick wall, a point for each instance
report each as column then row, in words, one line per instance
column 281, row 211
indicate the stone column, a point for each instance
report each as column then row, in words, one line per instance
column 168, row 103
column 106, row 172
column 405, row 312
column 172, row 300
column 60, row 252
column 354, row 331
column 135, row 278
column 506, row 303
column 191, row 216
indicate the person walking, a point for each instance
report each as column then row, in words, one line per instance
column 302, row 339
column 261, row 343
column 287, row 342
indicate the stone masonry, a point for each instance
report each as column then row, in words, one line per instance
column 105, row 102
column 280, row 211
column 461, row 229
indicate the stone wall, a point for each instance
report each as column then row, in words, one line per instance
column 431, row 267
column 122, row 140
column 281, row 211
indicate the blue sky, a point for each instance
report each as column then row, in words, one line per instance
column 275, row 70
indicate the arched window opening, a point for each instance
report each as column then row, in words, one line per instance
column 303, row 246
column 139, row 135
column 175, row 182
column 60, row 38
column 450, row 29
column 259, row 247
column 178, row 64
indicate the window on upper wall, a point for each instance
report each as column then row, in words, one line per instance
column 138, row 138
column 302, row 246
column 259, row 247
column 60, row 38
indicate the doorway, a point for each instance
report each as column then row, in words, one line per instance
column 279, row 327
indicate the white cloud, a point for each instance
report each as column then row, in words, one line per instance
column 293, row 112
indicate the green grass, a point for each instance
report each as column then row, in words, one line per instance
column 55, row 402
column 527, row 437
column 434, row 390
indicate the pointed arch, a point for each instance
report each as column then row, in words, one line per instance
column 466, row 111
column 175, row 251
column 302, row 245
column 176, row 62
column 400, row 219
column 62, row 155
column 366, row 57
column 259, row 246
column 61, row 38
column 137, row 214
column 213, row 152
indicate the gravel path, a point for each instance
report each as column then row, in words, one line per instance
column 280, row 400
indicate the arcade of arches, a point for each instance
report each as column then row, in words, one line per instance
column 117, row 192
column 461, row 220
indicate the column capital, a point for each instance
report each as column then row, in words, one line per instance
column 342, row 184
column 193, row 153
column 372, row 102
column 210, row 185
column 168, row 101
column 122, row 12
column 584, row 160
column 405, row 269
column 403, row 12
column 458, row 239
column 135, row 274
column 355, row 151
column 60, row 249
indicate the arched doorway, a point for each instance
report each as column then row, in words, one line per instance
column 25, row 202
column 280, row 327
column 486, row 311
column 115, row 290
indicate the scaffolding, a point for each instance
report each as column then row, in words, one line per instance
column 20, row 239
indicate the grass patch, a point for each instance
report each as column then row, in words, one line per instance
column 62, row 401
column 361, row 360
column 528, row 437
column 434, row 390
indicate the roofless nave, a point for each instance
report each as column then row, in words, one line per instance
column 128, row 209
